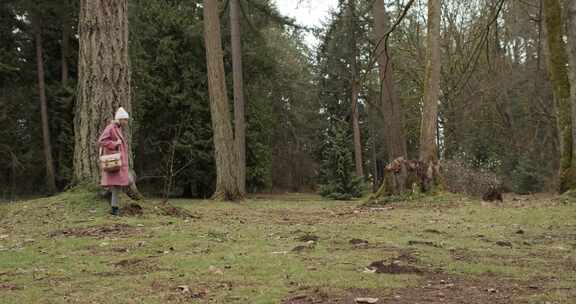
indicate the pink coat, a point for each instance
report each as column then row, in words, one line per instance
column 111, row 141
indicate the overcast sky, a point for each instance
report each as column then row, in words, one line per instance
column 307, row 12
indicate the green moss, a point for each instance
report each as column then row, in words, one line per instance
column 558, row 61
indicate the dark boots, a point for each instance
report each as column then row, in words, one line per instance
column 115, row 211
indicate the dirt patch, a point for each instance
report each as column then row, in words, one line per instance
column 167, row 209
column 160, row 208
column 405, row 257
column 433, row 231
column 434, row 288
column 304, row 248
column 132, row 210
column 440, row 288
column 131, row 266
column 464, row 255
column 392, row 268
column 358, row 242
column 287, row 197
column 8, row 286
column 504, row 244
column 129, row 263
column 315, row 296
column 98, row 231
column 185, row 292
column 8, row 273
column 307, row 238
column 424, row 243
column 296, row 217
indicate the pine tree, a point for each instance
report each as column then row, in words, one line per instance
column 337, row 170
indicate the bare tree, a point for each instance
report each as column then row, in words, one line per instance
column 66, row 29
column 355, row 88
column 50, row 175
column 428, row 146
column 390, row 104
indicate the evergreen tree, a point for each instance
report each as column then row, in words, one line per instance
column 337, row 170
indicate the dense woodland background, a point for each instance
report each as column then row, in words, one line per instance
column 498, row 110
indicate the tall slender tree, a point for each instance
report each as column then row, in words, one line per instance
column 50, row 174
column 428, row 129
column 390, row 105
column 227, row 185
column 355, row 88
column 239, row 105
column 103, row 80
column 557, row 67
column 66, row 29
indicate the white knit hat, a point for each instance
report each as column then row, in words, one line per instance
column 121, row 114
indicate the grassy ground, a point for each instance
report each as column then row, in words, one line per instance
column 289, row 249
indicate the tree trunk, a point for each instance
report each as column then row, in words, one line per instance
column 428, row 148
column 103, row 80
column 239, row 116
column 225, row 154
column 390, row 105
column 374, row 159
column 557, row 60
column 355, row 89
column 50, row 176
column 356, row 129
column 571, row 7
column 65, row 46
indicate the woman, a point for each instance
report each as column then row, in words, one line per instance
column 112, row 141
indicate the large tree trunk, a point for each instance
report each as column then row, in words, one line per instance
column 355, row 89
column 571, row 7
column 428, row 147
column 50, row 176
column 239, row 105
column 225, row 154
column 390, row 105
column 103, row 80
column 557, row 60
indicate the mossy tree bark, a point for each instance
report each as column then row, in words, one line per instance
column 571, row 13
column 558, row 72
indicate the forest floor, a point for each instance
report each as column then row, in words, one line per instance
column 291, row 249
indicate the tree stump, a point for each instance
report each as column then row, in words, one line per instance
column 403, row 176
